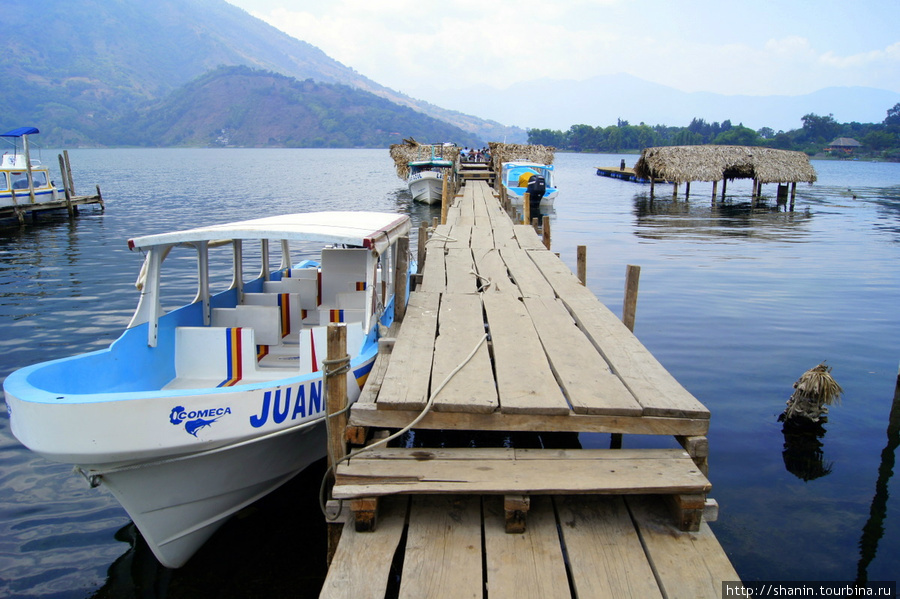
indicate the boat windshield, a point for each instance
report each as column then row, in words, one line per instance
column 4, row 182
column 39, row 178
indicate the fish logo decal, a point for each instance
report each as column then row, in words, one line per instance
column 196, row 420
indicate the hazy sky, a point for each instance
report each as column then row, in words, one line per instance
column 763, row 47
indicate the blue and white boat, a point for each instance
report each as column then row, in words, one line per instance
column 24, row 180
column 426, row 175
column 516, row 174
column 196, row 412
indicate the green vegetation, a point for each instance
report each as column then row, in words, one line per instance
column 877, row 140
column 239, row 106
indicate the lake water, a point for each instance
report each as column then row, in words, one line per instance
column 736, row 300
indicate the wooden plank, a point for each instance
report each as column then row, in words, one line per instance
column 362, row 562
column 605, row 555
column 443, row 548
column 460, row 271
column 669, row 550
column 526, row 275
column 528, row 565
column 489, row 264
column 651, row 384
column 528, row 239
column 524, row 380
column 368, row 415
column 369, row 474
column 655, row 388
column 461, row 328
column 459, row 237
column 406, row 381
column 590, row 386
column 439, row 236
column 434, row 277
column 482, row 236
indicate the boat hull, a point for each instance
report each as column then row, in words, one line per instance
column 178, row 504
column 426, row 187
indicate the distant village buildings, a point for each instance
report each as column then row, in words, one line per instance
column 843, row 144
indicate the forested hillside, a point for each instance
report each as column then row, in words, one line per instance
column 74, row 69
column 238, row 106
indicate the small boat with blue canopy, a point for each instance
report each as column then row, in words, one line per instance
column 518, row 174
column 195, row 412
column 24, row 180
column 426, row 175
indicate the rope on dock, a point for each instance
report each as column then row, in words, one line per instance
column 333, row 467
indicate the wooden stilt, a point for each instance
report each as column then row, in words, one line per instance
column 581, row 258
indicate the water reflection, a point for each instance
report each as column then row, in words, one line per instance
column 803, row 448
column 874, row 527
column 737, row 217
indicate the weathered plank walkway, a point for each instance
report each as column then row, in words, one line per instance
column 599, row 522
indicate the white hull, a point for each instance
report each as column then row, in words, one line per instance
column 178, row 505
column 426, row 187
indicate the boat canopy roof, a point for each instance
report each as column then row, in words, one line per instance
column 432, row 162
column 20, row 132
column 373, row 230
column 526, row 164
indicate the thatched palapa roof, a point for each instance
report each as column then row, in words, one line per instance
column 411, row 150
column 501, row 153
column 714, row 163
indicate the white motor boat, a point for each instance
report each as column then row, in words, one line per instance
column 194, row 413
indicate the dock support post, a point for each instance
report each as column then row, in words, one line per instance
column 335, row 410
column 652, row 186
column 715, row 186
column 526, row 208
column 687, row 190
column 582, row 263
column 793, row 194
column 68, row 174
column 445, row 201
column 423, row 239
column 674, row 189
column 629, row 307
column 62, row 171
column 545, row 231
column 724, row 185
column 401, row 278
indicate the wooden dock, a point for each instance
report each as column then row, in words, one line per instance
column 501, row 336
column 625, row 174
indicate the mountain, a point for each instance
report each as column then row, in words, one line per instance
column 603, row 100
column 88, row 62
column 239, row 106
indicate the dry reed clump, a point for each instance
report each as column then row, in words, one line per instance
column 813, row 392
column 715, row 163
column 411, row 150
column 501, row 153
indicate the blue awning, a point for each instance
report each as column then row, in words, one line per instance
column 20, row 132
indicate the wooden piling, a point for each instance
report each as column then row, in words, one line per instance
column 526, row 208
column 629, row 308
column 545, row 231
column 445, row 201
column 336, row 390
column 581, row 258
column 423, row 240
column 401, row 280
column 65, row 180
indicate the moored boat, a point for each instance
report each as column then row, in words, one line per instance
column 426, row 175
column 517, row 174
column 194, row 413
column 24, row 180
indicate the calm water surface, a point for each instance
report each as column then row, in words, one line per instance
column 736, row 300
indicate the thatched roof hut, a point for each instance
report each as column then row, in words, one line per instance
column 501, row 153
column 680, row 164
column 411, row 150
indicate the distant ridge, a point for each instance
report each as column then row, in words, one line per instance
column 602, row 100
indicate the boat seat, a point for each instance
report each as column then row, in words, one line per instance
column 314, row 346
column 264, row 320
column 207, row 357
column 288, row 305
column 306, row 289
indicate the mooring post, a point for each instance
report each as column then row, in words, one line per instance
column 445, row 201
column 62, row 171
column 526, row 208
column 581, row 259
column 401, row 278
column 68, row 174
column 629, row 307
column 423, row 240
column 545, row 230
column 335, row 410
